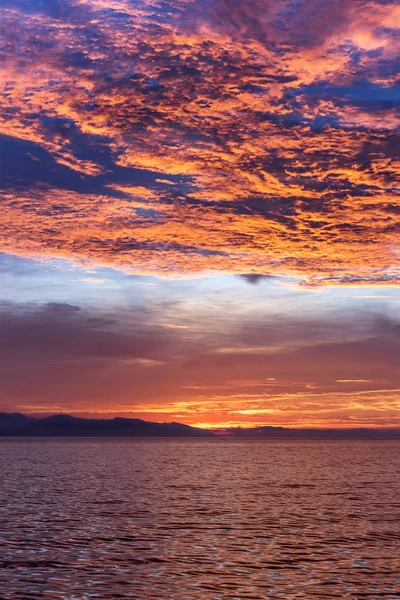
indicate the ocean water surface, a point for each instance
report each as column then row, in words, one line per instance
column 199, row 519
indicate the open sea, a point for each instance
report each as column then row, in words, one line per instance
column 199, row 519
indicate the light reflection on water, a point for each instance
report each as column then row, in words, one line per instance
column 199, row 519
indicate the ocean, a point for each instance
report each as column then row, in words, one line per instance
column 199, row 519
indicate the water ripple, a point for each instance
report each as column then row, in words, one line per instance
column 199, row 519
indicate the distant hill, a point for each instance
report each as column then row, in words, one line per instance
column 269, row 432
column 17, row 424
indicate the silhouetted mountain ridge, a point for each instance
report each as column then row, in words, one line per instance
column 63, row 425
column 279, row 432
column 17, row 424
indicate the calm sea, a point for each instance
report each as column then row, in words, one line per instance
column 199, row 519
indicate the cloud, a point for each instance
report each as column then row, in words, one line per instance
column 241, row 137
column 254, row 278
column 327, row 370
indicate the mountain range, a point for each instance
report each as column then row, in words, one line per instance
column 17, row 424
column 62, row 425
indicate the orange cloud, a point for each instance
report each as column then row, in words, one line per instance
column 204, row 138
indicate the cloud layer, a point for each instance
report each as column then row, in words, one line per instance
column 168, row 137
column 211, row 369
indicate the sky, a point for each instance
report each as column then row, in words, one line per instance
column 200, row 211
